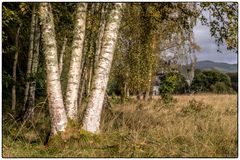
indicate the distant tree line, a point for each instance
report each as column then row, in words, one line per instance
column 234, row 80
column 204, row 81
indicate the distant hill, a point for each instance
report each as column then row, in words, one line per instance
column 223, row 67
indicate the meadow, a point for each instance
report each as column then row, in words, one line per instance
column 201, row 125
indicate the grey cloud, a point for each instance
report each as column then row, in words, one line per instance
column 209, row 48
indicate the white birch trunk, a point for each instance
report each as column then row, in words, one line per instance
column 55, row 99
column 89, row 79
column 30, row 55
column 82, row 80
column 74, row 74
column 101, row 32
column 81, row 90
column 15, row 69
column 98, row 42
column 89, row 47
column 91, row 119
column 34, row 64
column 60, row 65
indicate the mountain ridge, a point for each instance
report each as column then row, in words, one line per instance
column 221, row 66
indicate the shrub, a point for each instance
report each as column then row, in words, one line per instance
column 195, row 108
column 167, row 87
column 220, row 87
column 211, row 81
column 182, row 86
column 234, row 80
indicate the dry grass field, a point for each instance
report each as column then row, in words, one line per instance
column 218, row 101
column 203, row 125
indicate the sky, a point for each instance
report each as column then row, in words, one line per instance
column 209, row 48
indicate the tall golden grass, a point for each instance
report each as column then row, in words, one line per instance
column 203, row 125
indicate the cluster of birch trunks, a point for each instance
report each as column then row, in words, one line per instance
column 154, row 29
column 64, row 110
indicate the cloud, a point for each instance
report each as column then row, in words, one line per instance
column 209, row 48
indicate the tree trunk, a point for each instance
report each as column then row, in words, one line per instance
column 146, row 96
column 15, row 69
column 31, row 98
column 100, row 36
column 54, row 91
column 89, row 48
column 91, row 119
column 148, row 87
column 81, row 90
column 127, row 92
column 74, row 74
column 98, row 44
column 139, row 96
column 82, row 82
column 30, row 55
column 60, row 65
column 89, row 78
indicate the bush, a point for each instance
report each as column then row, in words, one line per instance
column 167, row 87
column 220, row 87
column 211, row 81
column 182, row 86
column 195, row 108
column 234, row 80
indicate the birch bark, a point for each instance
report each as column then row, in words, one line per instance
column 101, row 32
column 34, row 65
column 89, row 47
column 99, row 40
column 60, row 65
column 30, row 55
column 91, row 119
column 74, row 74
column 15, row 69
column 54, row 91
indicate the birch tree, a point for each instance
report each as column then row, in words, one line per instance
column 101, row 32
column 97, row 40
column 54, row 91
column 34, row 68
column 60, row 65
column 75, row 64
column 30, row 55
column 89, row 47
column 15, row 69
column 92, row 46
column 91, row 119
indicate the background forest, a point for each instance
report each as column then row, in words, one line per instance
column 116, row 80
